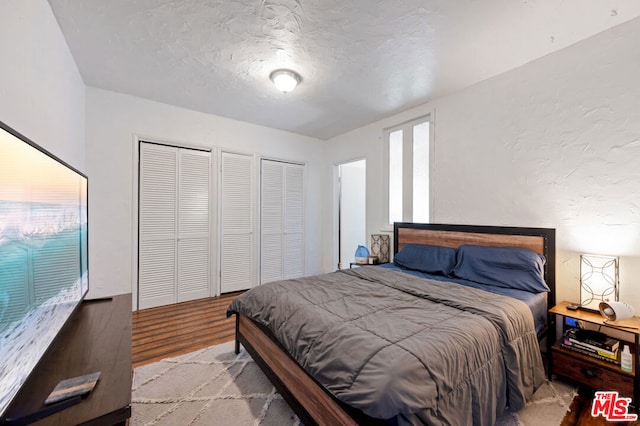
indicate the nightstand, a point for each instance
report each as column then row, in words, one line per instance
column 593, row 372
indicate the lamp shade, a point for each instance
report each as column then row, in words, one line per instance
column 380, row 246
column 615, row 311
column 598, row 280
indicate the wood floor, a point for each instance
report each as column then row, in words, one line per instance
column 172, row 330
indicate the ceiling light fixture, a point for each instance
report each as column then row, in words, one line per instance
column 285, row 80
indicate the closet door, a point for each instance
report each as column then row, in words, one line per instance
column 237, row 237
column 282, row 221
column 294, row 221
column 271, row 221
column 193, row 225
column 157, row 263
column 174, row 225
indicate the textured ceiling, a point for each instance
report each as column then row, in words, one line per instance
column 360, row 60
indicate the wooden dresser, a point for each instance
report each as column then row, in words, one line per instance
column 96, row 338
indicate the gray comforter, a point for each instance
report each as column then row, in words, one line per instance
column 397, row 346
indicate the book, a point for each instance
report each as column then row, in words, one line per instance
column 590, row 353
column 76, row 386
column 572, row 342
column 593, row 339
column 599, row 351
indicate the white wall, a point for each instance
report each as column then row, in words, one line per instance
column 113, row 122
column 555, row 143
column 42, row 94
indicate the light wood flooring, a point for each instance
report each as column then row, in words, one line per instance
column 173, row 330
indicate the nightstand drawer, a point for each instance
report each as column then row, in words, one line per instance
column 595, row 376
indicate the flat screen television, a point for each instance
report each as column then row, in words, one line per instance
column 43, row 254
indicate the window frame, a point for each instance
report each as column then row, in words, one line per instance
column 407, row 168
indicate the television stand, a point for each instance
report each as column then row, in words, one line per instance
column 43, row 413
column 96, row 338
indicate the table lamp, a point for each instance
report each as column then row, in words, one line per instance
column 599, row 281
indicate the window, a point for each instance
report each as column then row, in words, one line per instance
column 407, row 156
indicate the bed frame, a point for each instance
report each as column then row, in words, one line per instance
column 308, row 399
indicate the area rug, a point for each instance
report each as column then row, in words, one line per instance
column 214, row 386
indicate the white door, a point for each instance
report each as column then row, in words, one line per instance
column 158, row 184
column 174, row 232
column 237, row 237
column 282, row 221
column 271, row 221
column 351, row 210
column 294, row 221
column 193, row 225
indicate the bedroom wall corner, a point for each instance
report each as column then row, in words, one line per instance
column 42, row 94
column 114, row 121
column 364, row 142
column 553, row 143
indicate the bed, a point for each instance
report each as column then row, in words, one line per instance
column 374, row 345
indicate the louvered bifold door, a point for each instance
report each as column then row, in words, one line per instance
column 193, row 225
column 236, row 251
column 157, row 225
column 271, row 221
column 294, row 221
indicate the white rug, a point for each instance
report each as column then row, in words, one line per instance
column 214, row 386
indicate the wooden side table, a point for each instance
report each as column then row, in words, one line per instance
column 593, row 372
column 96, row 338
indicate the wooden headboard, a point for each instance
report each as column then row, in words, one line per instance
column 539, row 240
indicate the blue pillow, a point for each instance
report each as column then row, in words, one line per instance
column 426, row 258
column 509, row 267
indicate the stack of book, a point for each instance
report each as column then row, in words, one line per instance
column 593, row 344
